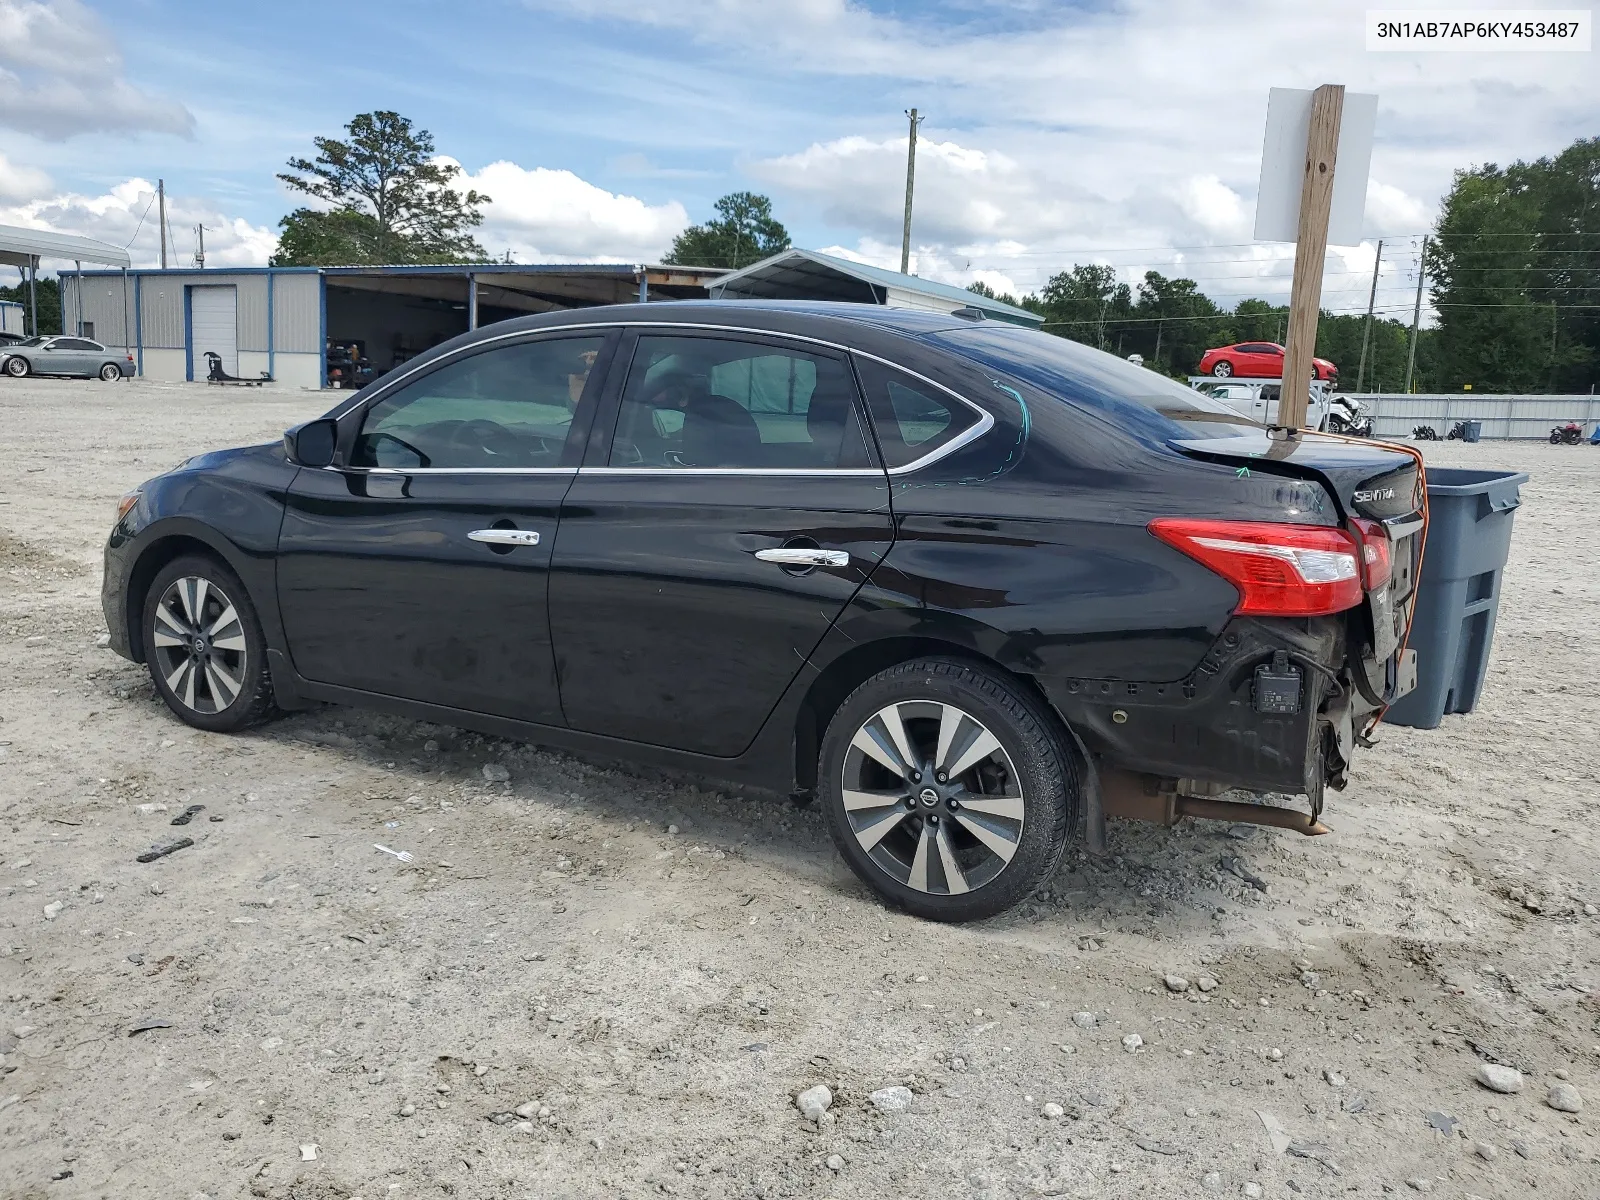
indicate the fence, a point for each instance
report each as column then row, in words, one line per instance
column 1503, row 417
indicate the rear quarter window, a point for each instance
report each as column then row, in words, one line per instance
column 1137, row 399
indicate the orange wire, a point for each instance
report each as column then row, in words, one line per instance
column 1416, row 583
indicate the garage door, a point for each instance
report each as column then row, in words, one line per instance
column 214, row 325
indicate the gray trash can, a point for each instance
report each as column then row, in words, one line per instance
column 1469, row 536
column 1473, row 431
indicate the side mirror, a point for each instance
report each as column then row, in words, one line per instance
column 312, row 444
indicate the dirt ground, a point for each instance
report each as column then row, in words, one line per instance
column 651, row 970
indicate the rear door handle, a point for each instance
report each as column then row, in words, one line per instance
column 506, row 537
column 800, row 556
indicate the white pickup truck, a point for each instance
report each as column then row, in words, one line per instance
column 1258, row 398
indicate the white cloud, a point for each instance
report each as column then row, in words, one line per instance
column 19, row 182
column 61, row 74
column 544, row 215
column 125, row 215
column 1100, row 134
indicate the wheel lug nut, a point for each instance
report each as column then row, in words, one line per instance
column 942, row 777
column 916, row 777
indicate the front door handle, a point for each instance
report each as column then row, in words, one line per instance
column 800, row 556
column 506, row 537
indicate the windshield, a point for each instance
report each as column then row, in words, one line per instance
column 1134, row 398
column 33, row 341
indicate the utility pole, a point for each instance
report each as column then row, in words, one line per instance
column 1160, row 323
column 1416, row 313
column 1311, row 247
column 161, row 214
column 200, row 253
column 1366, row 332
column 911, row 176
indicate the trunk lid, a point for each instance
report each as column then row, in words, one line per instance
column 1366, row 480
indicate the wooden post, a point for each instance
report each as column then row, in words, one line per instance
column 1311, row 245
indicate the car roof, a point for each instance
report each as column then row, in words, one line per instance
column 791, row 315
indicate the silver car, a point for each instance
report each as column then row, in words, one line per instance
column 57, row 354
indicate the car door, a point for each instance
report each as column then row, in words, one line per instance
column 417, row 566
column 730, row 506
column 57, row 357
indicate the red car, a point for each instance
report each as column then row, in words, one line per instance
column 1257, row 360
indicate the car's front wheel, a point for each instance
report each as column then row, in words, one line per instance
column 1222, row 369
column 948, row 788
column 204, row 648
column 109, row 372
column 17, row 366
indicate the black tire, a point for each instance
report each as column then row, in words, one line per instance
column 1223, row 369
column 110, row 372
column 1033, row 770
column 17, row 367
column 1555, row 437
column 226, row 685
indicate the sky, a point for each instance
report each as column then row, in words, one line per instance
column 1127, row 133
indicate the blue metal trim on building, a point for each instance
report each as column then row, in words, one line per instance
column 272, row 353
column 206, row 271
column 188, row 333
column 138, row 320
column 322, row 327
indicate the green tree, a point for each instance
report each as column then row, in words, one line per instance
column 49, row 303
column 1086, row 304
column 390, row 202
column 1515, row 273
column 744, row 232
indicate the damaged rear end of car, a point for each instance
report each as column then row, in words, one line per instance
column 1320, row 539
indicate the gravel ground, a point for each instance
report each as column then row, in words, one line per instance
column 600, row 981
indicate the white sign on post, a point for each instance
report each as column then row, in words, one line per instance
column 1283, row 167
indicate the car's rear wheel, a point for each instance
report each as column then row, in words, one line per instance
column 1222, row 369
column 948, row 788
column 204, row 648
column 17, row 366
column 109, row 372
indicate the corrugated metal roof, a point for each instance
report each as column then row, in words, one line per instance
column 828, row 277
column 20, row 245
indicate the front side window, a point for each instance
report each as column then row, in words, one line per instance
column 913, row 419
column 507, row 407
column 74, row 344
column 716, row 402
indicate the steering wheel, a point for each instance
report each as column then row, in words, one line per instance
column 489, row 438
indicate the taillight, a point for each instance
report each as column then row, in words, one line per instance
column 1280, row 570
column 1377, row 556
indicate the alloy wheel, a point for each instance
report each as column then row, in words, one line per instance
column 199, row 644
column 932, row 797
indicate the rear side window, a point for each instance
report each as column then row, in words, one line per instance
column 913, row 419
column 699, row 402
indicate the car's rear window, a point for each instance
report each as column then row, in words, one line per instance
column 1135, row 398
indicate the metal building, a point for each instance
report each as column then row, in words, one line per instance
column 287, row 322
column 808, row 275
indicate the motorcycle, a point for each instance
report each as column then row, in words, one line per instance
column 1425, row 433
column 1569, row 434
column 1349, row 417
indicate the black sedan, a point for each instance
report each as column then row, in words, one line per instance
column 971, row 586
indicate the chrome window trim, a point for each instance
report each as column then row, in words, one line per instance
column 452, row 470
column 670, row 472
column 983, row 425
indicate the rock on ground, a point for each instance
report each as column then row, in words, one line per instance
column 1506, row 1080
column 814, row 1101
